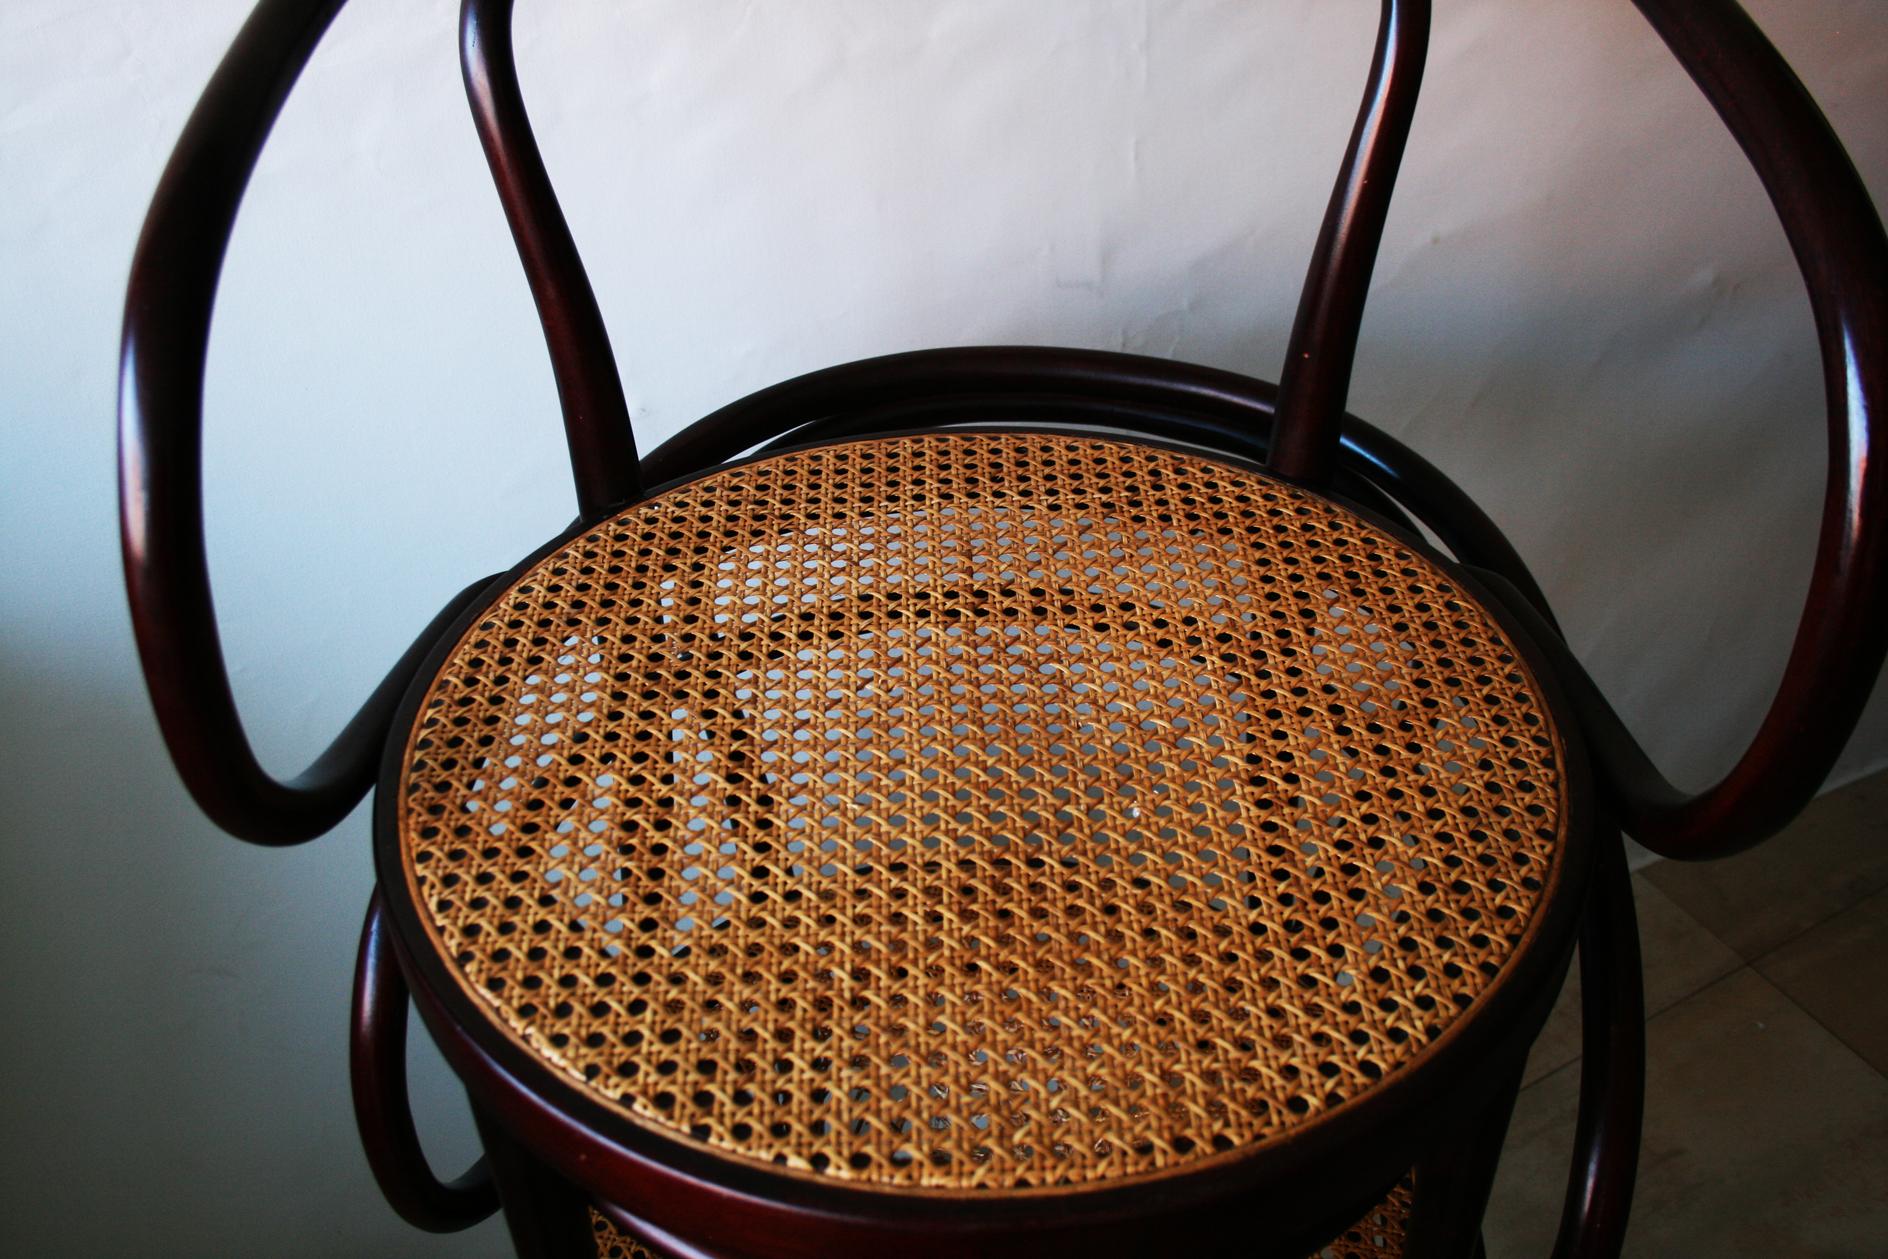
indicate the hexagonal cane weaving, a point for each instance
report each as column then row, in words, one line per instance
column 980, row 809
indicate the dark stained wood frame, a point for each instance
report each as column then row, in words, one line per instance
column 1612, row 1067
column 1300, row 429
column 1313, row 383
column 377, row 1070
column 596, row 418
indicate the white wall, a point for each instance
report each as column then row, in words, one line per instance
column 1584, row 310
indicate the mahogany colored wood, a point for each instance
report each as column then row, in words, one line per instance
column 1454, row 1179
column 1837, row 237
column 596, row 418
column 166, row 335
column 717, row 1217
column 664, row 1243
column 1157, row 397
column 546, row 1216
column 1612, row 1067
column 925, row 414
column 1313, row 384
column 377, row 1067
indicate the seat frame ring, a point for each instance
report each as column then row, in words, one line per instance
column 1366, row 1143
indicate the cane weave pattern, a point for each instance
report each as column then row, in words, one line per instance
column 614, row 1243
column 1382, row 1234
column 992, row 810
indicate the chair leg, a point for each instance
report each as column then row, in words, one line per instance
column 1612, row 1070
column 1454, row 1179
column 547, row 1216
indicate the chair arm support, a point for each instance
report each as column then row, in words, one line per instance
column 166, row 337
column 196, row 712
column 1422, row 489
column 1612, row 1067
column 1842, row 637
column 1837, row 238
column 1636, row 792
column 1612, row 982
column 377, row 1066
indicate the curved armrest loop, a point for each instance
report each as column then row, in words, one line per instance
column 166, row 339
column 1837, row 238
column 377, row 1066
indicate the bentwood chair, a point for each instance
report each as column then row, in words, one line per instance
column 999, row 801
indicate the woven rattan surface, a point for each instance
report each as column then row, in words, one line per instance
column 1381, row 1234
column 614, row 1243
column 984, row 809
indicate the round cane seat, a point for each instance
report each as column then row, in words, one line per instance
column 979, row 810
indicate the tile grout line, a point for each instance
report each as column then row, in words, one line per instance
column 1663, row 1010
column 1792, row 1002
column 1755, row 965
column 1743, row 963
column 1787, row 941
column 1833, row 1033
column 1805, row 1010
column 1850, row 908
column 1650, row 1013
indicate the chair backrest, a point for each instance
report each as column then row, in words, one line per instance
column 1323, row 346
column 1831, row 224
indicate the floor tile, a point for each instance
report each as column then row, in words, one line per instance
column 1559, row 1041
column 1831, row 858
column 1838, row 972
column 1764, row 1136
column 1680, row 957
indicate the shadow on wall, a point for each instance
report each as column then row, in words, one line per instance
column 165, row 1083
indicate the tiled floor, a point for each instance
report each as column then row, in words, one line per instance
column 1766, row 1130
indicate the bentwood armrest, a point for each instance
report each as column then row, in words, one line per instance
column 166, row 336
column 1837, row 238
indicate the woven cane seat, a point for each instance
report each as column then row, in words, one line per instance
column 1383, row 1233
column 979, row 810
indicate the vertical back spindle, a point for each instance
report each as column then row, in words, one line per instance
column 1315, row 381
column 596, row 418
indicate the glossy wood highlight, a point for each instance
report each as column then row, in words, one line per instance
column 1836, row 235
column 596, row 418
column 1612, row 1067
column 377, row 1070
column 1315, row 380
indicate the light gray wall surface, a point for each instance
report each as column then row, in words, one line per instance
column 1584, row 311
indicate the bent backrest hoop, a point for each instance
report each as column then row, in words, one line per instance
column 1832, row 227
column 1323, row 345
